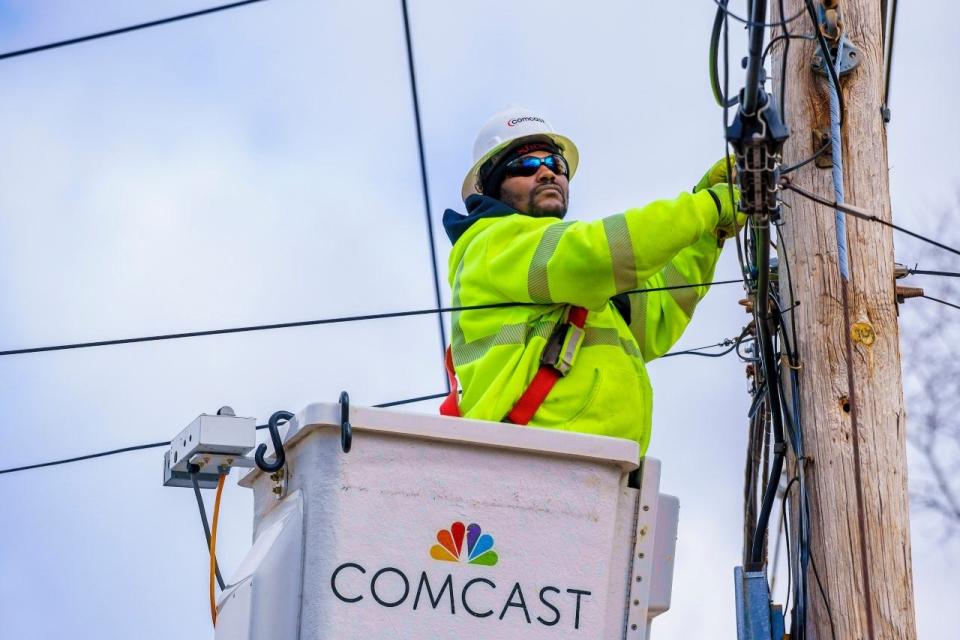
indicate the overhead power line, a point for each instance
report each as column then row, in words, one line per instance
column 154, row 445
column 434, row 396
column 862, row 215
column 89, row 456
column 128, row 29
column 423, row 182
column 926, row 272
column 949, row 304
column 308, row 323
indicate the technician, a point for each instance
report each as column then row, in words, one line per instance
column 573, row 355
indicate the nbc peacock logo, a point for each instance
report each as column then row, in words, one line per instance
column 479, row 545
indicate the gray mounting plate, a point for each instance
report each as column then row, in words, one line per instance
column 849, row 58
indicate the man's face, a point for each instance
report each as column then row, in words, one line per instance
column 540, row 195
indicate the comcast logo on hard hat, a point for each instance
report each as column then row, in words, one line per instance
column 515, row 121
column 479, row 547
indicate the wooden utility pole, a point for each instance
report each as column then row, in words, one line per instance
column 871, row 600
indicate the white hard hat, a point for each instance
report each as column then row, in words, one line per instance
column 503, row 130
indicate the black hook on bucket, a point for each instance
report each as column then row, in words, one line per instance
column 346, row 431
column 281, row 457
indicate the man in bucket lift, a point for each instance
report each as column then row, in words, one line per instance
column 573, row 356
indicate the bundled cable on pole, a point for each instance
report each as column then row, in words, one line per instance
column 757, row 135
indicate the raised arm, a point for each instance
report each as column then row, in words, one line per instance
column 586, row 263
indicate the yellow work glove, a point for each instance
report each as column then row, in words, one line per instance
column 731, row 219
column 717, row 174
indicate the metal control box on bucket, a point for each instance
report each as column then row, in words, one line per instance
column 434, row 527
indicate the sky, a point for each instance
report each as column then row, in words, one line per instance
column 259, row 166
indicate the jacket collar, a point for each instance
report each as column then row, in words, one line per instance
column 478, row 207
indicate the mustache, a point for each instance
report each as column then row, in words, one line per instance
column 548, row 186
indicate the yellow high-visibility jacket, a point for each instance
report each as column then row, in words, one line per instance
column 502, row 256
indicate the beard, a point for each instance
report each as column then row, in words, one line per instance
column 552, row 206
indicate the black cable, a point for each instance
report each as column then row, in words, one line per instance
column 122, row 30
column 783, row 63
column 90, row 456
column 856, row 213
column 396, row 403
column 165, row 443
column 823, row 594
column 745, row 276
column 697, row 351
column 765, row 342
column 888, row 61
column 322, row 321
column 424, row 184
column 793, row 300
column 154, row 445
column 382, row 405
column 732, row 343
column 206, row 526
column 784, row 524
column 924, row 272
column 719, row 22
column 793, row 167
column 796, row 440
column 780, row 38
column 722, row 4
column 750, row 100
column 759, row 398
column 949, row 304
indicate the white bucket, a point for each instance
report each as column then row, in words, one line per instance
column 442, row 528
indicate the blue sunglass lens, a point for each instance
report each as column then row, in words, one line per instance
column 528, row 165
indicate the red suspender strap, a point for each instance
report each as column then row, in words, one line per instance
column 534, row 396
column 542, row 382
column 546, row 377
column 451, row 405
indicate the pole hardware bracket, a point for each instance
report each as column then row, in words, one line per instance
column 822, row 140
column 907, row 292
column 848, row 53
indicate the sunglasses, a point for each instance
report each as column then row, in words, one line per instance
column 529, row 165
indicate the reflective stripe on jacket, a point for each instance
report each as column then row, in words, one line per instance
column 510, row 257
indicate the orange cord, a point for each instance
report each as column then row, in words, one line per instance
column 213, row 551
